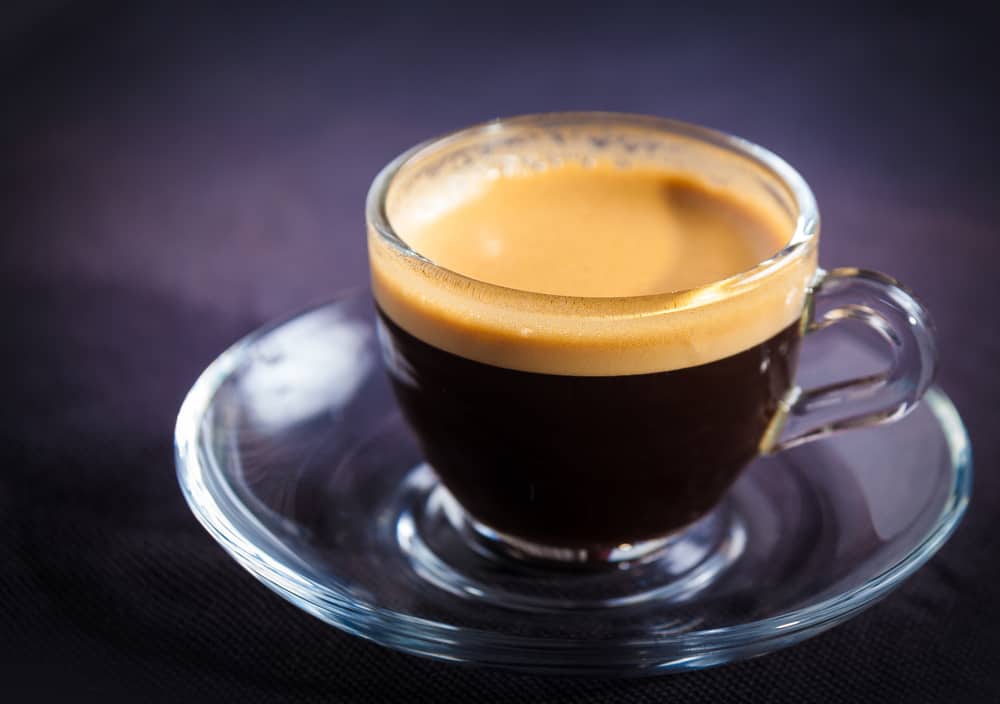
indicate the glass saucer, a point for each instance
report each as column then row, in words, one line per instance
column 291, row 452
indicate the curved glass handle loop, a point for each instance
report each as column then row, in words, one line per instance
column 882, row 304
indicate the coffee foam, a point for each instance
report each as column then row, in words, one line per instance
column 584, row 336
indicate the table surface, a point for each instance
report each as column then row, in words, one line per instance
column 177, row 176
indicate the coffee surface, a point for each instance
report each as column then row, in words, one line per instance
column 575, row 230
column 621, row 247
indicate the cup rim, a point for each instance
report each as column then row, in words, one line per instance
column 803, row 236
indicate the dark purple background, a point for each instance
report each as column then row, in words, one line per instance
column 177, row 176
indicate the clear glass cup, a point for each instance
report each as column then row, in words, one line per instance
column 537, row 457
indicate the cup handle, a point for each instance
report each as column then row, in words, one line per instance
column 885, row 306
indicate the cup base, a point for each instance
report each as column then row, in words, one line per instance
column 694, row 542
column 452, row 551
column 595, row 556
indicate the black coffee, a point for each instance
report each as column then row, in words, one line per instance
column 575, row 363
column 576, row 461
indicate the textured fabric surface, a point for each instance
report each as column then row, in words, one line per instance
column 175, row 176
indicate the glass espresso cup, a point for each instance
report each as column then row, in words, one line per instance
column 596, row 430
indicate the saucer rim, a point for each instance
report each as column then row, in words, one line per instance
column 283, row 571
